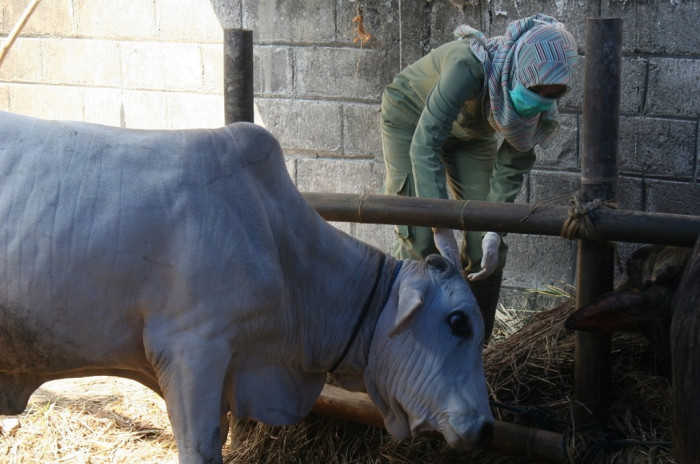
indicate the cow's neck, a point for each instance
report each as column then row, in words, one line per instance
column 347, row 270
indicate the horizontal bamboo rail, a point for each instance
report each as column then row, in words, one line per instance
column 543, row 219
column 514, row 440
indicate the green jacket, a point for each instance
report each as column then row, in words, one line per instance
column 441, row 96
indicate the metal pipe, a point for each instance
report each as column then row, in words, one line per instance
column 596, row 260
column 238, row 75
column 511, row 439
column 544, row 219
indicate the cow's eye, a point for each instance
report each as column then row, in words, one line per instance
column 459, row 323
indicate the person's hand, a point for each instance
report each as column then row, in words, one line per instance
column 489, row 246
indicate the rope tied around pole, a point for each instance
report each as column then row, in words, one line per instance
column 579, row 218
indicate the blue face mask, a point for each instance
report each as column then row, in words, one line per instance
column 527, row 103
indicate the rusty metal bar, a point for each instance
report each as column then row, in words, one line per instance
column 536, row 445
column 596, row 261
column 545, row 219
column 238, row 75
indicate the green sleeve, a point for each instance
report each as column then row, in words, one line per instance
column 460, row 78
column 508, row 171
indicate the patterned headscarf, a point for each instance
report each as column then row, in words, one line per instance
column 535, row 51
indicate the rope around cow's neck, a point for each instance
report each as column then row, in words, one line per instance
column 365, row 309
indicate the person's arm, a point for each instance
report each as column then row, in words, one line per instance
column 460, row 79
column 506, row 180
column 508, row 171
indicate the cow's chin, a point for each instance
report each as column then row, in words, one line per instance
column 476, row 435
column 350, row 382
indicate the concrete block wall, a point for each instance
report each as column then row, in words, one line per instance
column 158, row 64
column 145, row 64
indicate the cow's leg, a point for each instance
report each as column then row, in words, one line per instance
column 191, row 373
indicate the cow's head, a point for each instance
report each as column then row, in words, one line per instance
column 642, row 301
column 425, row 370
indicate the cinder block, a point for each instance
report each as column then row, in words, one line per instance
column 212, row 68
column 50, row 17
column 338, row 176
column 563, row 152
column 291, row 164
column 23, row 62
column 103, row 106
column 673, row 197
column 144, row 109
column 361, row 129
column 342, row 72
column 414, row 34
column 82, row 62
column 194, row 110
column 658, row 147
column 303, row 125
column 555, row 188
column 524, row 194
column 673, row 87
column 228, row 12
column 161, row 66
column 381, row 236
column 632, row 88
column 535, row 261
column 403, row 31
column 273, row 70
column 379, row 19
column 187, row 21
column 656, row 27
column 114, row 19
column 446, row 16
column 573, row 15
column 629, row 193
column 295, row 21
column 47, row 101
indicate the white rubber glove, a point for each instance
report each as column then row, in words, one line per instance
column 489, row 246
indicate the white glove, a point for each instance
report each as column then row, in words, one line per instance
column 489, row 246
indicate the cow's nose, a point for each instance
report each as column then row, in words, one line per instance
column 485, row 435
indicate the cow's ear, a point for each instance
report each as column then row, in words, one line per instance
column 410, row 301
column 447, row 245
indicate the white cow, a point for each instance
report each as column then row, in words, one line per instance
column 188, row 261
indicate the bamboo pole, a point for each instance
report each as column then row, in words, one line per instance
column 17, row 29
column 514, row 440
column 544, row 219
column 238, row 75
column 596, row 260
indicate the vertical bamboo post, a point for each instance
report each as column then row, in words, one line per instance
column 238, row 75
column 595, row 269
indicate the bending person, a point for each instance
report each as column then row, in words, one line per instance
column 440, row 117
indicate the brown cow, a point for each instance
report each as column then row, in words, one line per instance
column 661, row 298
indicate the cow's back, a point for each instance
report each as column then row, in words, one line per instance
column 103, row 227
